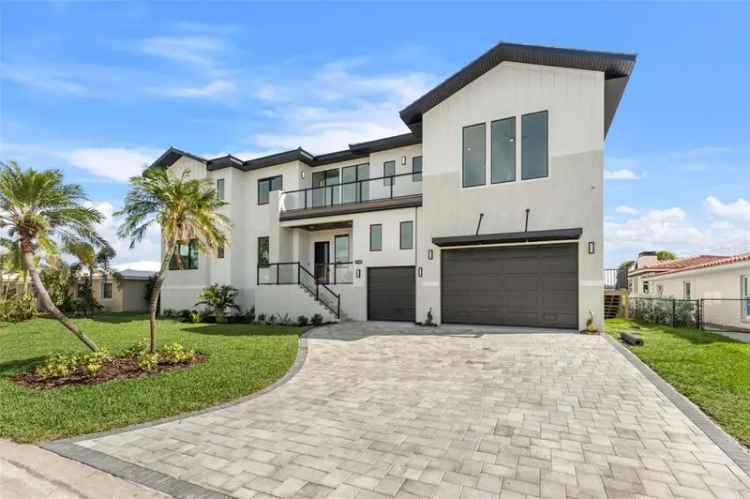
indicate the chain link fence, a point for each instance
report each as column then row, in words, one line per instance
column 668, row 311
column 725, row 314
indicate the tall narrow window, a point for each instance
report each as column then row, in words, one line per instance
column 745, row 284
column 106, row 291
column 263, row 251
column 645, row 287
column 389, row 170
column 220, row 252
column 406, row 235
column 341, row 249
column 266, row 186
column 376, row 237
column 534, row 146
column 416, row 168
column 474, row 155
column 220, row 189
column 185, row 256
column 503, row 150
column 687, row 290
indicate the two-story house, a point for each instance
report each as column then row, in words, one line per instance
column 489, row 211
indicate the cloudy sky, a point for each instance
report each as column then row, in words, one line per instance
column 100, row 90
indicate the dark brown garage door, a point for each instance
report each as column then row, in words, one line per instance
column 514, row 286
column 390, row 294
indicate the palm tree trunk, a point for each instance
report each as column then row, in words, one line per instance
column 43, row 295
column 155, row 292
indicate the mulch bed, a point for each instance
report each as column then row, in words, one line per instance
column 116, row 368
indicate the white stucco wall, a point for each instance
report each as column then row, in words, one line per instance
column 570, row 197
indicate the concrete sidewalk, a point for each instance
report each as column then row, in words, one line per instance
column 28, row 472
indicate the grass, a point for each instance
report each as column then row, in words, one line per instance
column 709, row 369
column 242, row 359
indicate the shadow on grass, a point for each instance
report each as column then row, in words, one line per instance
column 118, row 318
column 12, row 367
column 242, row 330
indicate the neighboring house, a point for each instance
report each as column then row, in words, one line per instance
column 722, row 282
column 123, row 291
column 488, row 212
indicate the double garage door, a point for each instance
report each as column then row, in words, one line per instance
column 534, row 286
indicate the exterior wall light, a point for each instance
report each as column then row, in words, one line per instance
column 359, row 273
column 403, row 160
column 592, row 247
column 419, row 271
column 430, row 254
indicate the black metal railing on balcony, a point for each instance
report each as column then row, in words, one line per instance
column 335, row 273
column 295, row 273
column 359, row 191
column 615, row 278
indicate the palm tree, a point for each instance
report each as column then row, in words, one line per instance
column 186, row 210
column 39, row 210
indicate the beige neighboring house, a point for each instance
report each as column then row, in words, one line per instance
column 722, row 282
column 123, row 291
column 489, row 210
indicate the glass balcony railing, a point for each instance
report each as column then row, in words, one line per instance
column 360, row 191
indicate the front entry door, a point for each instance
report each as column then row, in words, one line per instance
column 321, row 261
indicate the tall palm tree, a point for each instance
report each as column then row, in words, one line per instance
column 187, row 210
column 38, row 209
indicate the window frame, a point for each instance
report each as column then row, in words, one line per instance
column 267, row 240
column 193, row 256
column 463, row 155
column 220, row 252
column 401, row 236
column 388, row 178
column 515, row 150
column 270, row 184
column 106, row 283
column 687, row 290
column 414, row 172
column 645, row 287
column 546, row 157
column 348, row 248
column 220, row 194
column 380, row 227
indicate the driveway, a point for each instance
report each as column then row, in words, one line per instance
column 383, row 410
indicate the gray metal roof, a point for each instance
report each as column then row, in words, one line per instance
column 616, row 67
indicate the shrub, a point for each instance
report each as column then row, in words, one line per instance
column 57, row 366
column 174, row 353
column 148, row 361
column 317, row 320
column 285, row 321
column 168, row 313
column 137, row 349
column 271, row 320
column 262, row 318
column 18, row 308
column 302, row 320
column 93, row 362
column 249, row 317
column 195, row 317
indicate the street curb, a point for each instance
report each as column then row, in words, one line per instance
column 180, row 489
column 723, row 440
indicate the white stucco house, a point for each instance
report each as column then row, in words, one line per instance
column 722, row 283
column 488, row 211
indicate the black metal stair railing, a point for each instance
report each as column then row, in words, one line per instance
column 295, row 273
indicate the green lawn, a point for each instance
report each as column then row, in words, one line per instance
column 711, row 370
column 242, row 359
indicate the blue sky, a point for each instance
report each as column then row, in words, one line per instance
column 98, row 90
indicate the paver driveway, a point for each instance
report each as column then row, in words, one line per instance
column 382, row 410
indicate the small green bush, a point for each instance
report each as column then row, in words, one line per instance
column 249, row 317
column 317, row 320
column 137, row 349
column 148, row 361
column 93, row 362
column 174, row 353
column 57, row 366
column 18, row 308
column 302, row 320
column 195, row 317
column 262, row 318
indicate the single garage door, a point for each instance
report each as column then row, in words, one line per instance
column 533, row 286
column 390, row 294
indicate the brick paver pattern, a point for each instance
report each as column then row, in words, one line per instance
column 379, row 411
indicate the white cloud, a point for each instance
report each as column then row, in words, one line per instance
column 194, row 49
column 215, row 88
column 115, row 163
column 152, row 265
column 42, row 78
column 627, row 210
column 738, row 210
column 622, row 174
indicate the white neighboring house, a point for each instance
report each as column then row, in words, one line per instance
column 723, row 282
column 488, row 211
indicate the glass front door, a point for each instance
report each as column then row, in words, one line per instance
column 322, row 260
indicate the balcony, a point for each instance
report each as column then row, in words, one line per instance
column 374, row 194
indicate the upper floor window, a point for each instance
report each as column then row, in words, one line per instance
column 745, row 290
column 376, row 237
column 406, row 235
column 220, row 189
column 106, row 290
column 266, row 185
column 645, row 287
column 389, row 170
column 474, row 155
column 687, row 290
column 416, row 168
column 659, row 290
column 263, row 251
column 534, row 145
column 503, row 150
column 185, row 256
column 220, row 251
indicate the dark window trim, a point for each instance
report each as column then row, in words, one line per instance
column 104, row 288
column 257, row 251
column 270, row 180
column 381, row 237
column 414, row 174
column 221, row 194
column 515, row 151
column 388, row 179
column 546, row 159
column 463, row 179
column 187, row 263
column 400, row 234
column 220, row 252
column 349, row 248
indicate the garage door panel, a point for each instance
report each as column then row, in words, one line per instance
column 515, row 286
column 391, row 294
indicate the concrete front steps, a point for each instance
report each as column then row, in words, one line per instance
column 292, row 300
